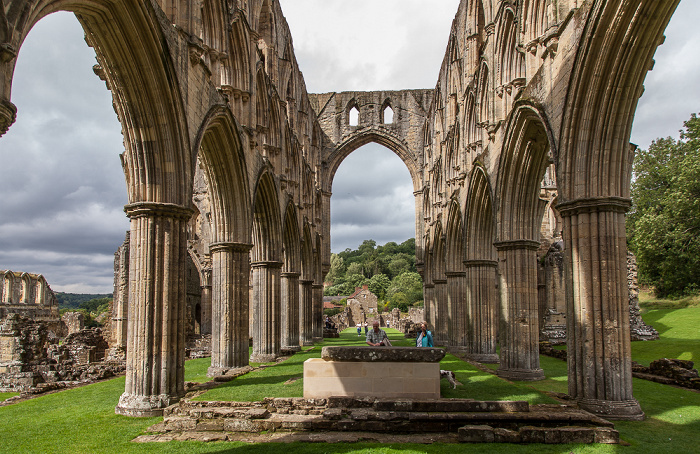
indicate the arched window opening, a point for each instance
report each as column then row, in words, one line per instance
column 354, row 116
column 388, row 115
column 198, row 319
column 74, row 110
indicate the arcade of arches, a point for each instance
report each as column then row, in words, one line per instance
column 228, row 160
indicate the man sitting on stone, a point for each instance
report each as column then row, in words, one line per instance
column 377, row 337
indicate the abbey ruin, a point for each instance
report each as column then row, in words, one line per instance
column 230, row 162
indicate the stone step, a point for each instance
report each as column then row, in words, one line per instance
column 490, row 421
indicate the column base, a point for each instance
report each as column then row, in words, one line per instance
column 307, row 343
column 487, row 358
column 291, row 349
column 318, row 339
column 227, row 371
column 521, row 374
column 458, row 350
column 627, row 410
column 263, row 358
column 143, row 406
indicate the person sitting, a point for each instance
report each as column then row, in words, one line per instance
column 377, row 337
column 425, row 337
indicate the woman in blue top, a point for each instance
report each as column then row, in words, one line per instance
column 425, row 338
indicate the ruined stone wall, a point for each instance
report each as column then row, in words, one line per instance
column 28, row 295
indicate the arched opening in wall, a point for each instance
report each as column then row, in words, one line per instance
column 373, row 200
column 388, row 115
column 62, row 210
column 198, row 319
column 353, row 116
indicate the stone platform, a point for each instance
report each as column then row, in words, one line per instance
column 444, row 420
column 381, row 372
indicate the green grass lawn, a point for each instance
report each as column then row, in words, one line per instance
column 82, row 420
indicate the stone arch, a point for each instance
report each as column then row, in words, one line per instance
column 387, row 113
column 8, row 286
column 441, row 334
column 481, row 264
column 145, row 93
column 456, row 276
column 266, row 23
column 381, row 137
column 291, row 271
column 524, row 158
column 305, row 288
column 220, row 151
column 593, row 172
column 350, row 110
column 266, row 267
column 25, row 291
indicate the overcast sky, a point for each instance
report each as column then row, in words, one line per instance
column 63, row 188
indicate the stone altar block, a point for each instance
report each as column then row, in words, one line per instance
column 382, row 372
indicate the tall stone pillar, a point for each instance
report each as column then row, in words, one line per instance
column 597, row 318
column 428, row 305
column 290, row 312
column 206, row 302
column 481, row 310
column 440, row 333
column 305, row 316
column 456, row 294
column 519, row 333
column 317, row 312
column 120, row 301
column 155, row 359
column 230, row 276
column 267, row 308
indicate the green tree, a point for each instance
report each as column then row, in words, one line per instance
column 336, row 273
column 664, row 223
column 353, row 268
column 409, row 284
column 378, row 284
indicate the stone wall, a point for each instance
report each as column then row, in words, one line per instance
column 27, row 294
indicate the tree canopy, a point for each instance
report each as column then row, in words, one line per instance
column 663, row 226
column 382, row 268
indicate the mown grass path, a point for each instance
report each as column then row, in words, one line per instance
column 82, row 420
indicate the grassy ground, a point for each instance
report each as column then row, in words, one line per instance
column 83, row 421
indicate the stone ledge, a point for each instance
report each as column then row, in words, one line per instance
column 383, row 354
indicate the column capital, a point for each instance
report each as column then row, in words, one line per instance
column 477, row 263
column 266, row 264
column 429, row 285
column 8, row 115
column 316, row 285
column 224, row 246
column 306, row 281
column 594, row 204
column 517, row 244
column 450, row 274
column 157, row 209
column 289, row 274
column 439, row 281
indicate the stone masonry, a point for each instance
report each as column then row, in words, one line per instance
column 526, row 87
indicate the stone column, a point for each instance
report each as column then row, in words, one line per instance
column 229, row 308
column 481, row 317
column 120, row 301
column 155, row 359
column 305, row 320
column 428, row 305
column 456, row 294
column 519, row 333
column 290, row 312
column 267, row 307
column 597, row 313
column 317, row 312
column 206, row 301
column 440, row 335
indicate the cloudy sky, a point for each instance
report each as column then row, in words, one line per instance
column 62, row 185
